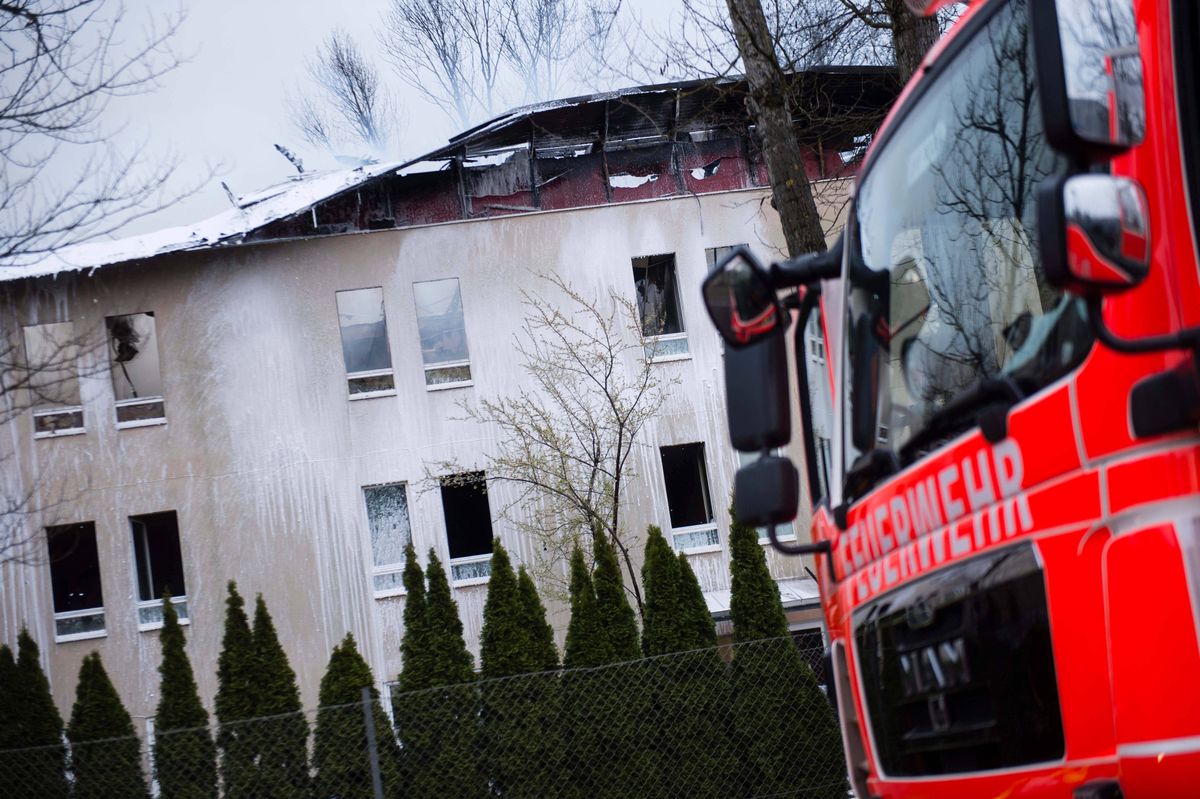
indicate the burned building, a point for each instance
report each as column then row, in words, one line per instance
column 260, row 396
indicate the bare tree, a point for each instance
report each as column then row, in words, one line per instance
column 349, row 104
column 63, row 61
column 450, row 51
column 566, row 442
column 543, row 37
column 769, row 106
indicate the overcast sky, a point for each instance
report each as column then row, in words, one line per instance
column 226, row 105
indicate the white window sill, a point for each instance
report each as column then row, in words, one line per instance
column 445, row 386
column 63, row 639
column 162, row 420
column 470, row 582
column 672, row 358
column 391, row 592
column 387, row 392
column 158, row 625
column 702, row 550
column 766, row 542
column 73, row 431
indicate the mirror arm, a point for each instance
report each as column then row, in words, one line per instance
column 809, row 268
column 1188, row 338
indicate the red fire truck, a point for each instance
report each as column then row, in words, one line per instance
column 1007, row 534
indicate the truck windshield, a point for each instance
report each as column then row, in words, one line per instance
column 947, row 210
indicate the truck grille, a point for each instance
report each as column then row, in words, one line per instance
column 958, row 670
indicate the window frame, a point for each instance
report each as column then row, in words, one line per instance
column 443, row 366
column 712, row 526
column 65, row 410
column 136, row 402
column 366, row 374
column 149, row 611
column 387, row 569
column 97, row 612
column 456, row 564
column 651, row 344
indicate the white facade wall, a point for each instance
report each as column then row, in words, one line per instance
column 264, row 457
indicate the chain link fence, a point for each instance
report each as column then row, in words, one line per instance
column 747, row 721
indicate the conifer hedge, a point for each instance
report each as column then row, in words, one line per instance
column 185, row 757
column 30, row 719
column 341, row 755
column 281, row 735
column 106, row 757
column 773, row 674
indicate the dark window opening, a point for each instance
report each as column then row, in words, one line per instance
column 74, row 567
column 657, row 295
column 687, row 485
column 468, row 515
column 156, row 553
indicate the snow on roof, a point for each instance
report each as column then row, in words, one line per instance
column 255, row 210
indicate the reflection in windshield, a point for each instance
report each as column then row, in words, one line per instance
column 948, row 210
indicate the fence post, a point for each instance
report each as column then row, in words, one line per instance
column 372, row 748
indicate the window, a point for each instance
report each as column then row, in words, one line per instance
column 75, row 581
column 443, row 333
column 468, row 526
column 137, row 383
column 50, row 354
column 365, row 343
column 783, row 531
column 387, row 521
column 692, row 522
column 816, row 350
column 811, row 643
column 159, row 567
column 658, row 306
column 715, row 254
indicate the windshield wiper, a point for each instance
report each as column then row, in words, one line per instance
column 984, row 404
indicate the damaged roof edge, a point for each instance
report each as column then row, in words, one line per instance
column 300, row 194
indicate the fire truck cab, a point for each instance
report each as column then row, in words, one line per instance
column 1007, row 534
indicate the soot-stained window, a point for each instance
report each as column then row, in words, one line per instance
column 136, row 377
column 654, row 279
column 365, row 343
column 468, row 525
column 692, row 522
column 391, row 531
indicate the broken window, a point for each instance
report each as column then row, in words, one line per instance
column 782, row 531
column 658, row 306
column 50, row 355
column 468, row 525
column 387, row 521
column 692, row 522
column 443, row 332
column 75, row 581
column 137, row 383
column 365, row 343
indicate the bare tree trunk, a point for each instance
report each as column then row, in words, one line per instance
column 768, row 106
column 912, row 36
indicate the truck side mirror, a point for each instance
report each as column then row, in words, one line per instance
column 1089, row 72
column 767, row 491
column 756, row 395
column 740, row 299
column 1095, row 233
